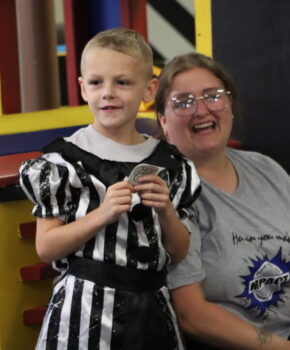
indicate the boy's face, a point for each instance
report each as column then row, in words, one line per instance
column 114, row 84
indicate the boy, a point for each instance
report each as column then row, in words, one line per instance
column 106, row 219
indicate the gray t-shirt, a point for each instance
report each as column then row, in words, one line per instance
column 240, row 244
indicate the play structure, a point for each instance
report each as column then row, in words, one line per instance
column 32, row 113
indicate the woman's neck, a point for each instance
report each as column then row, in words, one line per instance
column 219, row 172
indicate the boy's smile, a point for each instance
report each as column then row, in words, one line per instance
column 113, row 84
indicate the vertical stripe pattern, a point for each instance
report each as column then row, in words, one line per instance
column 85, row 315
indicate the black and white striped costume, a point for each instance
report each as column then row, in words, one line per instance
column 87, row 310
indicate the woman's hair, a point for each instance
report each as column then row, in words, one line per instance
column 124, row 40
column 186, row 62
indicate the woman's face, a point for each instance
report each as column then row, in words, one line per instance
column 205, row 132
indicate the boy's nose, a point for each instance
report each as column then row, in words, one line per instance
column 108, row 92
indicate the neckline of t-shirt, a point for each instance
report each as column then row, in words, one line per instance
column 144, row 149
column 94, row 133
column 240, row 176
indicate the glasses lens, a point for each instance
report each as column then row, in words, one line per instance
column 183, row 104
column 215, row 99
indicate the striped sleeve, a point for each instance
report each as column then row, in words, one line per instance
column 186, row 188
column 46, row 185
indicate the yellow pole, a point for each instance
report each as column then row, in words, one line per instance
column 203, row 28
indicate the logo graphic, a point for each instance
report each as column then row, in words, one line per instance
column 265, row 282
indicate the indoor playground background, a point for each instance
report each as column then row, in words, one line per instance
column 41, row 44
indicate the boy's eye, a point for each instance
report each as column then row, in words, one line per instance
column 95, row 82
column 123, row 82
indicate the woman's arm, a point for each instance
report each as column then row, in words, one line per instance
column 55, row 240
column 213, row 325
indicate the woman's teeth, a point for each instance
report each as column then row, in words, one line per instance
column 203, row 126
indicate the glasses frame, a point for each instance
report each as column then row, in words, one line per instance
column 196, row 98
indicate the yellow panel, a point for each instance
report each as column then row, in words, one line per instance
column 42, row 120
column 49, row 119
column 203, row 28
column 149, row 115
column 17, row 296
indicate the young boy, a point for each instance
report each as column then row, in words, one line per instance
column 108, row 202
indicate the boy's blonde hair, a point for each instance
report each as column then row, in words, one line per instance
column 124, row 40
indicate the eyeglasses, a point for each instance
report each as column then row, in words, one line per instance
column 185, row 104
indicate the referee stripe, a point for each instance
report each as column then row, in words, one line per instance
column 65, row 315
column 75, row 316
column 61, row 192
column 41, row 343
column 96, row 317
column 53, row 325
column 87, row 297
column 110, row 242
column 107, row 319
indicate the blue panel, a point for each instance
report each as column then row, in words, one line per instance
column 104, row 14
column 148, row 126
column 32, row 141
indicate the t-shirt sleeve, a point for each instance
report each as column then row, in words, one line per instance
column 190, row 269
column 47, row 185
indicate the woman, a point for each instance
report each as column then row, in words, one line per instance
column 233, row 290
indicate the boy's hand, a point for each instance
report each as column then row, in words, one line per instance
column 117, row 201
column 154, row 193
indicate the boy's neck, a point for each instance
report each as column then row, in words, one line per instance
column 129, row 137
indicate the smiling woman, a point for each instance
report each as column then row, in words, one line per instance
column 222, row 291
column 210, row 89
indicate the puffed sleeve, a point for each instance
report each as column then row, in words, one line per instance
column 185, row 190
column 190, row 269
column 46, row 184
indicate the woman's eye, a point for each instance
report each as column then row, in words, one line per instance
column 184, row 104
column 212, row 97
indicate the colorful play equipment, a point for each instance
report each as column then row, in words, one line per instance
column 25, row 280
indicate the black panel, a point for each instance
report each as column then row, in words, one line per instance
column 252, row 39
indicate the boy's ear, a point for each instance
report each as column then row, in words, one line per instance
column 150, row 90
column 83, row 88
column 162, row 122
